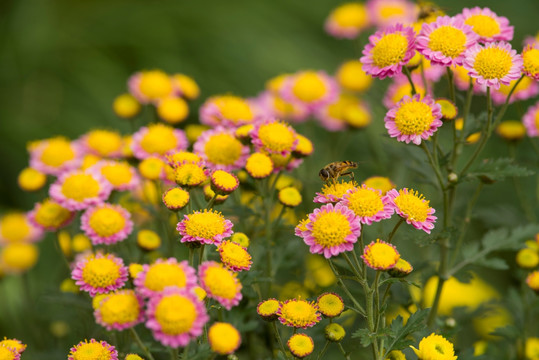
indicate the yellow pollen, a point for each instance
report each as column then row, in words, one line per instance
column 50, row 214
column 223, row 149
column 530, row 58
column 155, row 84
column 338, row 189
column 224, row 179
column 57, row 151
column 413, row 118
column 381, row 255
column 389, row 50
column 205, row 224
column 309, row 87
column 190, row 175
column 330, row 305
column 299, row 312
column 449, row 40
column 104, row 142
column 412, row 205
column 161, row 275
column 120, row 308
column 117, row 174
column 100, row 272
column 221, row 282
column 259, row 165
column 269, row 307
column 350, row 15
column 176, row 314
column 276, row 136
column 233, row 254
column 234, row 108
column 493, row 63
column 331, row 229
column 159, row 139
column 365, row 202
column 91, row 351
column 106, row 221
column 14, row 227
column 483, row 25
column 80, row 186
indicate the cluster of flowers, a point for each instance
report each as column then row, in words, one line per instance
column 528, row 258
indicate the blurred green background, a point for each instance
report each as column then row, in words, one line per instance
column 62, row 61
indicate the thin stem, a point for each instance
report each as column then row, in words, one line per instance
column 353, row 268
column 376, row 288
column 201, row 255
column 173, row 353
column 352, row 298
column 346, row 356
column 457, row 146
column 501, row 113
column 409, row 76
column 140, row 344
column 390, row 237
column 211, row 202
column 191, row 256
column 451, row 84
column 278, row 336
column 321, row 353
column 436, row 169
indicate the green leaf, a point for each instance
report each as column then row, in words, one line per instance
column 498, row 169
column 399, row 332
column 365, row 336
column 510, row 332
column 492, row 263
column 201, row 352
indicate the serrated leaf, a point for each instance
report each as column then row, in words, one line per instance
column 202, row 352
column 470, row 250
column 364, row 335
column 499, row 169
column 399, row 331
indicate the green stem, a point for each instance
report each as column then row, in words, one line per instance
column 191, row 256
column 451, row 85
column 173, row 353
column 353, row 268
column 201, row 255
column 409, row 76
column 343, row 286
column 141, row 345
column 376, row 287
column 212, row 201
column 278, row 336
column 346, row 356
column 457, row 146
column 390, row 237
column 436, row 169
column 321, row 353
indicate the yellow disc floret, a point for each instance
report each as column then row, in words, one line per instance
column 159, row 139
column 119, row 308
column 161, row 275
column 14, row 227
column 100, row 272
column 126, row 106
column 31, row 179
column 57, row 151
column 155, row 84
column 448, row 40
column 80, row 186
column 173, row 110
column 223, row 338
column 435, row 347
column 234, row 108
column 413, row 118
column 51, row 215
column 223, row 149
column 309, row 86
column 176, row 314
column 106, row 221
column 483, row 25
column 365, row 202
column 414, row 206
column 117, row 174
column 259, row 165
column 331, row 229
column 18, row 257
column 207, row 224
column 299, row 313
column 221, row 282
column 104, row 142
column 493, row 63
column 389, row 50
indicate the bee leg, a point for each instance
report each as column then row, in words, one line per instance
column 350, row 173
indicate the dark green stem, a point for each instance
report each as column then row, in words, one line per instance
column 346, row 356
column 278, row 336
column 409, row 76
column 321, row 353
column 397, row 225
column 141, row 345
column 343, row 286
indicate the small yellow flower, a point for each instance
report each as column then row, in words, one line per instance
column 224, row 338
column 193, row 131
column 190, row 174
column 300, row 345
column 449, row 110
column 396, row 355
column 133, row 357
column 176, row 198
column 51, row 216
column 511, row 130
column 134, row 270
column 402, row 268
column 151, row 168
column 148, row 239
column 18, row 257
column 240, row 239
column 155, row 84
column 330, row 305
column 259, row 165
column 532, row 348
column 351, row 76
column 380, row 255
column 81, row 243
column 15, row 344
column 31, row 179
column 435, row 347
column 104, row 143
column 381, row 183
column 173, row 110
column 68, row 286
column 533, row 281
column 187, row 86
column 234, row 256
column 289, row 196
column 334, row 332
column 299, row 313
column 527, row 258
column 268, row 309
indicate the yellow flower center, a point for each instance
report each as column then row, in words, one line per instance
column 449, row 111
column 30, row 179
column 309, row 87
column 435, row 347
column 161, row 275
column 299, row 312
column 406, row 89
column 173, row 110
column 223, row 149
column 269, row 307
column 19, row 256
column 190, row 175
column 330, row 305
column 413, row 117
column 233, row 254
column 300, row 345
column 14, row 227
column 120, row 308
column 531, row 61
column 155, row 84
column 224, row 179
column 259, row 165
column 389, row 50
column 351, row 15
column 352, row 77
column 100, row 272
column 290, row 196
column 176, row 314
column 223, row 338
column 176, row 198
column 126, row 106
column 414, row 206
column 449, row 40
column 381, row 255
column 221, row 282
column 493, row 63
column 188, row 86
column 6, row 354
column 50, row 214
column 117, row 174
column 511, row 129
column 80, row 186
column 148, row 239
column 234, row 108
column 104, row 142
column 91, row 351
column 159, row 139
column 365, row 202
column 338, row 189
column 331, row 229
column 182, row 156
column 106, row 221
column 205, row 224
column 380, row 183
column 277, row 136
column 388, row 11
column 57, row 152
column 483, row 25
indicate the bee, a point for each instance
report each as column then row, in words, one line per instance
column 335, row 169
column 428, row 9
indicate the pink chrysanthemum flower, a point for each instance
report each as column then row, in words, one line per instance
column 299, row 313
column 205, row 227
column 530, row 59
column 331, row 230
column 413, row 208
column 274, row 137
column 78, row 190
column 163, row 273
column 334, row 192
column 56, row 155
column 380, row 255
column 93, row 350
column 445, row 41
column 413, row 119
column 347, row 20
column 384, row 13
column 99, row 273
column 49, row 216
column 234, row 256
column 311, row 89
column 486, row 24
column 400, row 87
column 493, row 64
column 221, row 150
column 102, row 143
column 531, row 120
column 9, row 353
column 13, row 344
column 158, row 140
column 220, row 284
column 226, row 110
column 527, row 88
column 120, row 310
column 368, row 204
column 106, row 224
column 176, row 316
column 388, row 51
column 120, row 175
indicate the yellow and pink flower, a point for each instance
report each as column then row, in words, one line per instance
column 120, row 310
column 93, row 350
column 414, row 208
column 106, row 223
column 486, row 24
column 220, row 284
column 205, row 227
column 531, row 120
column 78, row 190
column 221, row 150
column 163, row 273
column 158, row 140
column 100, row 273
